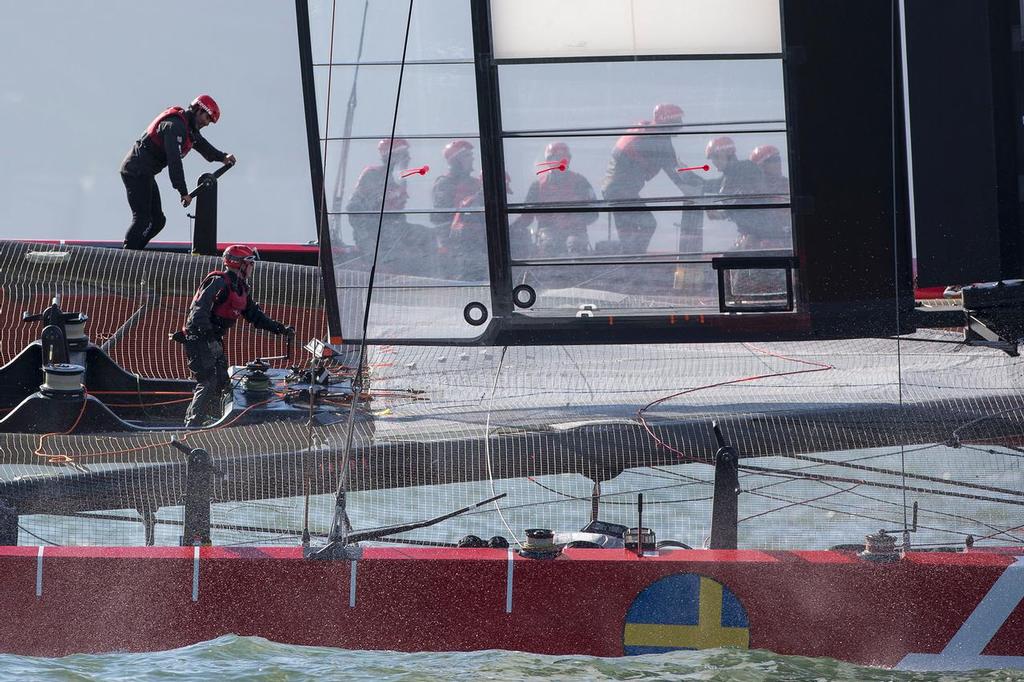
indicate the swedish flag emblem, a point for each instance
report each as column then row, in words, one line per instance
column 685, row 611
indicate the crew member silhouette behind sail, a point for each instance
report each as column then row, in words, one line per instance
column 468, row 237
column 558, row 234
column 777, row 220
column 636, row 160
column 370, row 187
column 164, row 143
column 222, row 298
column 739, row 177
column 404, row 246
column 450, row 192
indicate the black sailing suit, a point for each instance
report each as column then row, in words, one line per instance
column 204, row 340
column 142, row 164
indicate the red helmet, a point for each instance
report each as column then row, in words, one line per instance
column 456, row 148
column 240, row 257
column 395, row 144
column 763, row 153
column 720, row 144
column 667, row 114
column 557, row 151
column 206, row 103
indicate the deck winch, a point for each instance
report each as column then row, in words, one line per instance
column 63, row 380
column 254, row 377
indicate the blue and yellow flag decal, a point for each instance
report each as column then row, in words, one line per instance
column 685, row 611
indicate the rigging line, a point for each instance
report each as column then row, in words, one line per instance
column 693, row 480
column 487, row 444
column 843, row 462
column 989, row 451
column 1003, row 532
column 936, row 512
column 815, row 367
column 41, row 539
column 955, row 436
column 859, row 516
column 768, row 471
column 894, row 18
column 341, row 516
column 800, row 468
column 586, row 382
column 587, row 497
column 793, row 504
column 903, row 473
column 816, row 465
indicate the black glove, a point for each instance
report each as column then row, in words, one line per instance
column 284, row 329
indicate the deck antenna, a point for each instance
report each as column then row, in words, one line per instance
column 338, row 538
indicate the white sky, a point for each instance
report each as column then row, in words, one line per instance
column 81, row 79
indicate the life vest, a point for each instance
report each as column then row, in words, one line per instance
column 561, row 187
column 632, row 146
column 151, row 133
column 463, row 188
column 234, row 303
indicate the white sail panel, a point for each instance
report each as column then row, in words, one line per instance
column 589, row 28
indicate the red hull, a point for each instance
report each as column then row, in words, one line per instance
column 82, row 599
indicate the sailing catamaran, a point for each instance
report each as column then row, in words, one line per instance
column 622, row 355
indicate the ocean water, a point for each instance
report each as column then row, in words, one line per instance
column 251, row 658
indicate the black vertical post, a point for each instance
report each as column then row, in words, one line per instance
column 725, row 506
column 492, row 160
column 198, row 492
column 148, row 515
column 849, row 188
column 204, row 236
column 8, row 525
column 316, row 173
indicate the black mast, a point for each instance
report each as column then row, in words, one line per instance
column 316, row 172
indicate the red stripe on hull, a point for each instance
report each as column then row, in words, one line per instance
column 806, row 603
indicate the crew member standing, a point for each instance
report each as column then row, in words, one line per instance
column 163, row 144
column 558, row 234
column 637, row 159
column 222, row 298
column 452, row 190
column 777, row 220
column 373, row 184
column 739, row 178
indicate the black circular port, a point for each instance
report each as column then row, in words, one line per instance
column 475, row 313
column 524, row 296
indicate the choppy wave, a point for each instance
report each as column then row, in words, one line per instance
column 251, row 658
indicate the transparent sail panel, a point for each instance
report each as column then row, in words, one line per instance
column 633, row 177
column 585, row 28
column 713, row 94
column 355, row 177
column 643, row 166
column 435, row 98
column 644, row 262
column 404, row 195
column 374, row 31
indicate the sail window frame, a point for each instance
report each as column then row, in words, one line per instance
column 526, row 321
